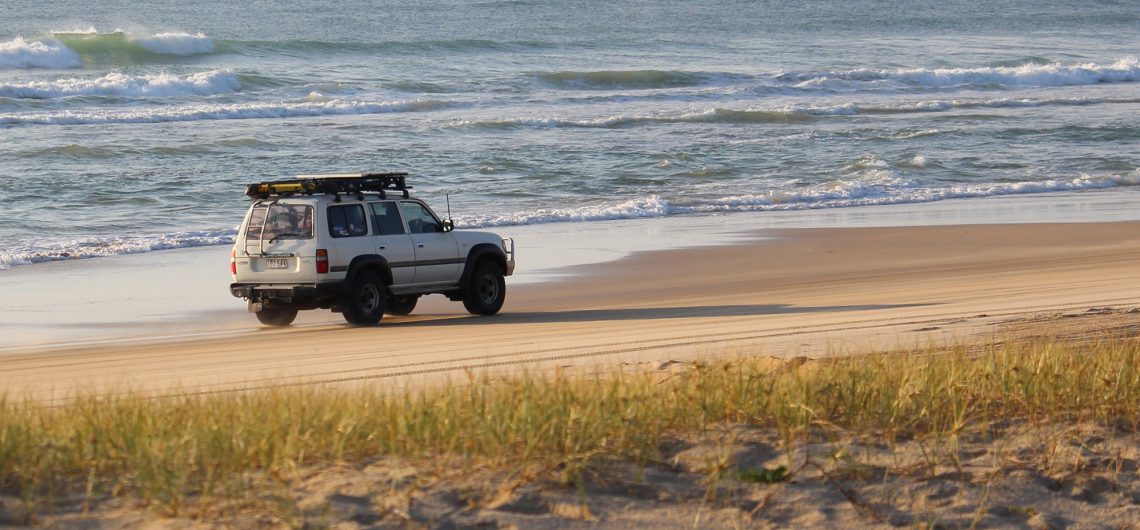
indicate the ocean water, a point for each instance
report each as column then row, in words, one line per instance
column 134, row 126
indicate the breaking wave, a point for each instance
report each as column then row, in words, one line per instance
column 93, row 247
column 838, row 81
column 47, row 53
column 315, row 105
column 871, row 183
column 874, row 187
column 123, row 85
column 1033, row 74
column 120, row 43
column 72, row 49
column 782, row 114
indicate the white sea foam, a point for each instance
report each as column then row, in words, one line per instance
column 643, row 207
column 92, row 247
column 240, row 111
column 874, row 186
column 47, row 53
column 1040, row 75
column 777, row 114
column 861, row 193
column 873, row 183
column 54, row 52
column 120, row 84
column 714, row 114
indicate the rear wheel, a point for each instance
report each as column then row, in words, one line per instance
column 277, row 316
column 401, row 305
column 486, row 290
column 363, row 302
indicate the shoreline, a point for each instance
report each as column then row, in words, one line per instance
column 181, row 292
column 790, row 292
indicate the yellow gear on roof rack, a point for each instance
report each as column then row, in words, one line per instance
column 331, row 184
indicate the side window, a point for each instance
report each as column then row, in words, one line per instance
column 386, row 219
column 347, row 221
column 420, row 219
column 256, row 221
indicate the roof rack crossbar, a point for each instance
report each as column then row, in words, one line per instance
column 332, row 184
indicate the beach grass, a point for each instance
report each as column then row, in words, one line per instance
column 171, row 453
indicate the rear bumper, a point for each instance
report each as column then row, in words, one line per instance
column 304, row 294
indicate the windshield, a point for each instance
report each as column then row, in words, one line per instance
column 281, row 221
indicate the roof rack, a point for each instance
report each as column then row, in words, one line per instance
column 335, row 183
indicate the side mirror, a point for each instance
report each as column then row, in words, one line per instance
column 448, row 225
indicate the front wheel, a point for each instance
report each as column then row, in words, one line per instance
column 363, row 302
column 401, row 306
column 486, row 291
column 277, row 316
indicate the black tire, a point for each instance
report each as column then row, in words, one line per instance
column 486, row 290
column 363, row 302
column 277, row 315
column 401, row 306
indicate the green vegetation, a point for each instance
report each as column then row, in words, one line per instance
column 169, row 451
column 765, row 476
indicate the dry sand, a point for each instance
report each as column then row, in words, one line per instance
column 804, row 292
column 1050, row 476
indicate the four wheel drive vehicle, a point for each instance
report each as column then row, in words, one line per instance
column 362, row 246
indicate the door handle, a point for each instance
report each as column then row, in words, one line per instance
column 421, row 245
column 382, row 247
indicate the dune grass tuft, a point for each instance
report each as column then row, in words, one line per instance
column 165, row 451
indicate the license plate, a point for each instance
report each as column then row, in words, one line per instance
column 277, row 263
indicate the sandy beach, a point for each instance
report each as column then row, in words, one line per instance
column 710, row 293
column 778, row 265
column 779, row 292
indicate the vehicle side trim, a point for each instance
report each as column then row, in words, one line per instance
column 430, row 262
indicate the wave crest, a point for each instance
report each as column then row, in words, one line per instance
column 47, row 53
column 92, row 247
column 120, row 43
column 71, row 49
column 871, row 182
column 310, row 106
column 123, row 85
column 1032, row 74
column 783, row 114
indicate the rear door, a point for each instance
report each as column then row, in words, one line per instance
column 391, row 240
column 348, row 228
column 278, row 239
column 437, row 253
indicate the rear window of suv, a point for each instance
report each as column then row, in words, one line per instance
column 280, row 221
column 347, row 221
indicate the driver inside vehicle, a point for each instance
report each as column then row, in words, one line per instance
column 290, row 221
column 282, row 223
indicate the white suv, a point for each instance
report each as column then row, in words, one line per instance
column 362, row 246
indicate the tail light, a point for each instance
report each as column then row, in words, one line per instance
column 322, row 261
column 233, row 262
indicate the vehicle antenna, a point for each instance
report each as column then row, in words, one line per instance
column 447, row 197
